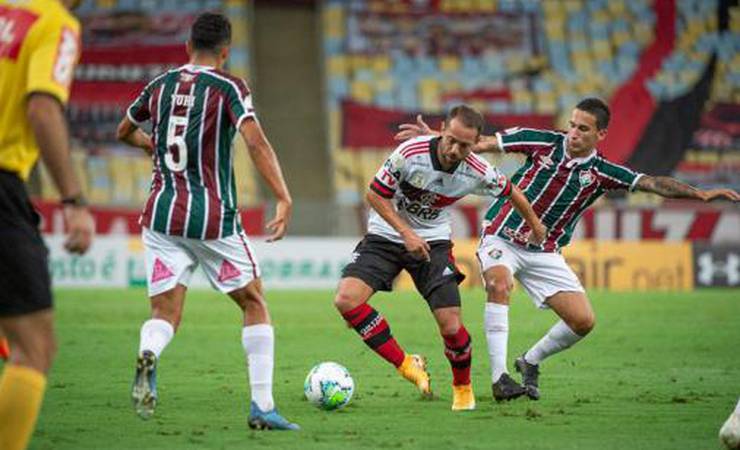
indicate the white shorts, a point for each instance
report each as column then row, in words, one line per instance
column 542, row 274
column 229, row 263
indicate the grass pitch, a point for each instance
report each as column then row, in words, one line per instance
column 659, row 371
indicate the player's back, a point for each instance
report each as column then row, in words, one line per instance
column 195, row 112
column 39, row 46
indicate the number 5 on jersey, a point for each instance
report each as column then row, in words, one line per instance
column 176, row 157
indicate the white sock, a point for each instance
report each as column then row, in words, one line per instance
column 155, row 335
column 556, row 340
column 496, row 326
column 259, row 345
column 737, row 408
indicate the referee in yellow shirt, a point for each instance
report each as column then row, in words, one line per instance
column 39, row 47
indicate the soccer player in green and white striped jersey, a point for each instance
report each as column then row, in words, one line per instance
column 562, row 176
column 191, row 217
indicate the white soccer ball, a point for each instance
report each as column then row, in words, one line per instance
column 329, row 386
column 729, row 434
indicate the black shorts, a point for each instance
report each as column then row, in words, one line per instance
column 377, row 261
column 25, row 285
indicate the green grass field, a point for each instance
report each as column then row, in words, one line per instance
column 660, row 371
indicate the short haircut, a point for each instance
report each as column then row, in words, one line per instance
column 597, row 108
column 210, row 32
column 469, row 116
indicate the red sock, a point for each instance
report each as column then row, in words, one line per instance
column 4, row 349
column 374, row 330
column 458, row 350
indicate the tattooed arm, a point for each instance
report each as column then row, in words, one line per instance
column 672, row 188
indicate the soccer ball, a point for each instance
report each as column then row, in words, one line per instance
column 329, row 386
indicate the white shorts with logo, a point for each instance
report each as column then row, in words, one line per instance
column 542, row 274
column 229, row 263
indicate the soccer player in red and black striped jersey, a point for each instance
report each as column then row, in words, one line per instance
column 562, row 176
column 409, row 229
column 191, row 217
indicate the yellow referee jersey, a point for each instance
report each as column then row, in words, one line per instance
column 39, row 47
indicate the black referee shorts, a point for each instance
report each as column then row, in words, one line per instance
column 25, row 285
column 377, row 261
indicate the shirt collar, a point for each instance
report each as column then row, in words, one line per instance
column 570, row 162
column 436, row 164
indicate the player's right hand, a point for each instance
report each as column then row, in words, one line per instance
column 80, row 228
column 412, row 130
column 415, row 245
column 278, row 226
column 538, row 234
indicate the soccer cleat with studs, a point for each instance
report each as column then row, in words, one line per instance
column 463, row 398
column 144, row 388
column 268, row 420
column 506, row 388
column 530, row 377
column 414, row 369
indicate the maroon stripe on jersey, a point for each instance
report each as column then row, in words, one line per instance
column 209, row 163
column 414, row 153
column 179, row 212
column 550, row 193
column 526, row 180
column 475, row 165
column 416, row 146
column 524, row 146
column 558, row 228
column 146, row 216
column 507, row 189
column 241, row 85
column 249, row 255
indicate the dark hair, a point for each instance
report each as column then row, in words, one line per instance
column 469, row 116
column 210, row 32
column 597, row 108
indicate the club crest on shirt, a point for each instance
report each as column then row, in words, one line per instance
column 417, row 180
column 586, row 177
column 396, row 162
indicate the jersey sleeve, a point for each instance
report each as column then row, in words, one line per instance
column 615, row 176
column 54, row 57
column 239, row 103
column 494, row 183
column 390, row 175
column 525, row 140
column 138, row 112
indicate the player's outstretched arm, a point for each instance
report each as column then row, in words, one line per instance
column 134, row 136
column 412, row 130
column 524, row 208
column 267, row 164
column 50, row 130
column 486, row 144
column 672, row 188
column 413, row 243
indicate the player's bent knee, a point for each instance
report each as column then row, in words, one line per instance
column 499, row 291
column 345, row 301
column 583, row 325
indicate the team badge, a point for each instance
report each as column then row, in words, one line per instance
column 585, row 177
column 417, row 180
column 396, row 162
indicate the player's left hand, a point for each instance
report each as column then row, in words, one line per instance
column 719, row 194
column 278, row 226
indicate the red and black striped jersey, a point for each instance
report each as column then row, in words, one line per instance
column 422, row 190
column 560, row 188
column 195, row 112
